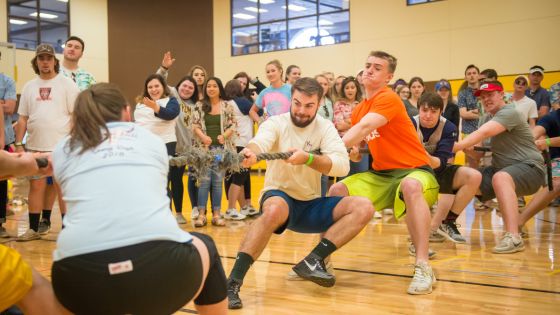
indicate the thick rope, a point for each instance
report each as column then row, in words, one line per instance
column 200, row 161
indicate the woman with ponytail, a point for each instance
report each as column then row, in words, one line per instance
column 119, row 231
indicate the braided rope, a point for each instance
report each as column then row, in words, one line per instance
column 201, row 160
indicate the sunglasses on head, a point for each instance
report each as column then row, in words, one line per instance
column 520, row 82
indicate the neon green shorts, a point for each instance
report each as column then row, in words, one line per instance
column 382, row 188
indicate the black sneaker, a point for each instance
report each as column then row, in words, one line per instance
column 313, row 268
column 449, row 230
column 233, row 287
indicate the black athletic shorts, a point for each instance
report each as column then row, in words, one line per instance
column 445, row 179
column 156, row 277
column 238, row 178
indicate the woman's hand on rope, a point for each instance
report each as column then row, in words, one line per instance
column 206, row 140
column 221, row 139
column 250, row 158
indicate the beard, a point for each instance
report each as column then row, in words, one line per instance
column 302, row 124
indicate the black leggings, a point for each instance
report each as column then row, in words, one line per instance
column 246, row 182
column 3, row 195
column 175, row 180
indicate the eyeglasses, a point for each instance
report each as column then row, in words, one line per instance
column 520, row 82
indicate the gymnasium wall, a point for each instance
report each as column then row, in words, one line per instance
column 140, row 31
column 88, row 20
column 434, row 40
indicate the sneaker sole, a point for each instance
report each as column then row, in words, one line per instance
column 511, row 251
column 320, row 281
column 28, row 239
column 434, row 282
column 235, row 306
column 450, row 238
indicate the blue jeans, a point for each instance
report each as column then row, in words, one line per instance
column 193, row 190
column 213, row 182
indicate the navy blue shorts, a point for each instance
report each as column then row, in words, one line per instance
column 312, row 216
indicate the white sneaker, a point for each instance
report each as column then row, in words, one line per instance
column 180, row 218
column 509, row 244
column 194, row 213
column 29, row 235
column 249, row 211
column 377, row 215
column 423, row 279
column 233, row 214
column 388, row 211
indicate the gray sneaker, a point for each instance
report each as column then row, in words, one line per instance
column 412, row 251
column 435, row 237
column 509, row 244
column 449, row 231
column 44, row 227
column 423, row 280
column 3, row 233
column 292, row 276
column 29, row 235
column 180, row 218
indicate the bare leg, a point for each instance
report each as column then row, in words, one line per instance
column 504, row 187
column 36, row 194
column 351, row 214
column 540, row 201
column 220, row 307
column 445, row 201
column 338, row 189
column 233, row 195
column 417, row 217
column 41, row 299
column 275, row 213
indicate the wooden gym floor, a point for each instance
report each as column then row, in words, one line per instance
column 373, row 271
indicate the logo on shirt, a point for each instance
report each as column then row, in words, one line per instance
column 374, row 134
column 45, row 94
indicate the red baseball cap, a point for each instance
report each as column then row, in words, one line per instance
column 488, row 87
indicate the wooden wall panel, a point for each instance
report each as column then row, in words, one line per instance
column 140, row 31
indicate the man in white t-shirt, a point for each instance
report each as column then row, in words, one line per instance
column 45, row 109
column 291, row 197
column 523, row 104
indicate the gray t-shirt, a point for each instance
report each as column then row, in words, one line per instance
column 516, row 144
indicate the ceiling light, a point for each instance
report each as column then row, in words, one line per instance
column 243, row 16
column 44, row 15
column 263, row 1
column 17, row 22
column 239, row 33
column 254, row 9
column 63, row 1
column 293, row 7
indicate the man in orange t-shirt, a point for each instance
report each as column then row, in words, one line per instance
column 401, row 177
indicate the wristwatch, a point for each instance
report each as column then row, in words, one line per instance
column 18, row 144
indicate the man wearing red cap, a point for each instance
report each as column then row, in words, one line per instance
column 517, row 166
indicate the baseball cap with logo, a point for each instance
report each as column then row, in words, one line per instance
column 536, row 69
column 443, row 84
column 44, row 49
column 488, row 87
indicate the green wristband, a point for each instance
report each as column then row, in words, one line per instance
column 547, row 141
column 309, row 160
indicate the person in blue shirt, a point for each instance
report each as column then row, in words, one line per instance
column 457, row 184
